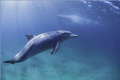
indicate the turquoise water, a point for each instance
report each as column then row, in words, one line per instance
column 94, row 55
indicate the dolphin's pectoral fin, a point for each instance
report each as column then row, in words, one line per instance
column 29, row 36
column 56, row 47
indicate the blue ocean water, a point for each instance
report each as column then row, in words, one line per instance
column 94, row 55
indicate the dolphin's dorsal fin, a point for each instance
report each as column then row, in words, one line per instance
column 56, row 47
column 29, row 36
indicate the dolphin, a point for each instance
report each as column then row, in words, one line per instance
column 40, row 43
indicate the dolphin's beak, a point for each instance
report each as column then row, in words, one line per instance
column 73, row 35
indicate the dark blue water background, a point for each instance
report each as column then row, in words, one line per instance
column 94, row 55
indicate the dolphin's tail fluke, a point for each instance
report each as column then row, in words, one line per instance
column 9, row 61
